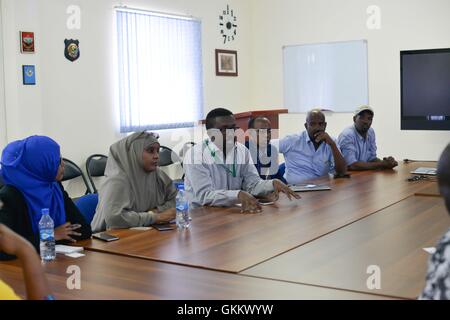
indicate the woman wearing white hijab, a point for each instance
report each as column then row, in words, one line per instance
column 136, row 192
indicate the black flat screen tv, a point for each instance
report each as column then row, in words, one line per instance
column 425, row 89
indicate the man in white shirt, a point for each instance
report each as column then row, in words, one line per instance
column 214, row 180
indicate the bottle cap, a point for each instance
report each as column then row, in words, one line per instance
column 179, row 186
column 45, row 211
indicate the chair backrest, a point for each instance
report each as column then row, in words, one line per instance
column 167, row 156
column 87, row 205
column 95, row 167
column 186, row 147
column 72, row 171
column 281, row 171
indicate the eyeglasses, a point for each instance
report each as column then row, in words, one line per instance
column 263, row 131
column 224, row 130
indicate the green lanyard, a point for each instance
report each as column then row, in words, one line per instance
column 231, row 171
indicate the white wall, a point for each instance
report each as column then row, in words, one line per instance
column 74, row 103
column 24, row 114
column 405, row 24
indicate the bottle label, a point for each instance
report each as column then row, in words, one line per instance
column 47, row 235
column 182, row 206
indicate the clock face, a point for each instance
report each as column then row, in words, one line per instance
column 228, row 26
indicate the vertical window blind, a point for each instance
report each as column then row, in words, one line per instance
column 160, row 71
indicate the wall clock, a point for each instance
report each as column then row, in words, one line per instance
column 228, row 25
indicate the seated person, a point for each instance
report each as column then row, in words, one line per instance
column 358, row 146
column 35, row 281
column 264, row 154
column 136, row 192
column 220, row 172
column 32, row 170
column 312, row 153
column 437, row 285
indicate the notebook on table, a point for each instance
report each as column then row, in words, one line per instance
column 59, row 248
column 425, row 170
column 309, row 187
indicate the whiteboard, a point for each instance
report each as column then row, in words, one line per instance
column 331, row 76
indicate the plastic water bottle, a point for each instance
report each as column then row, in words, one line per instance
column 182, row 205
column 47, row 236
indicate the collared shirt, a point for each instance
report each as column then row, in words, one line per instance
column 355, row 148
column 437, row 285
column 303, row 161
column 6, row 293
column 265, row 160
column 210, row 182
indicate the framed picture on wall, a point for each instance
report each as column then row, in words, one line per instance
column 26, row 42
column 226, row 63
column 29, row 75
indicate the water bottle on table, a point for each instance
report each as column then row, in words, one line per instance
column 182, row 206
column 47, row 236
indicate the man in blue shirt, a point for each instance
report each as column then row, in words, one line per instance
column 313, row 153
column 358, row 145
column 264, row 154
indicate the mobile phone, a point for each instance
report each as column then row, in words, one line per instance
column 105, row 236
column 164, row 227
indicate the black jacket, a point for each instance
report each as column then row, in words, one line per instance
column 14, row 215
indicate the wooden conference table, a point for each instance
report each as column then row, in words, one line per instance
column 107, row 276
column 391, row 239
column 431, row 190
column 225, row 249
column 226, row 240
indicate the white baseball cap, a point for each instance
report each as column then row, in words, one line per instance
column 362, row 109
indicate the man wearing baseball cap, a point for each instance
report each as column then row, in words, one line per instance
column 358, row 145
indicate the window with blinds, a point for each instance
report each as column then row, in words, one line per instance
column 160, row 71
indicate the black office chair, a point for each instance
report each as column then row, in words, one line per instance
column 1, row 180
column 95, row 167
column 186, row 147
column 72, row 171
column 167, row 156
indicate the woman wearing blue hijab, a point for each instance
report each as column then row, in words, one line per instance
column 32, row 170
